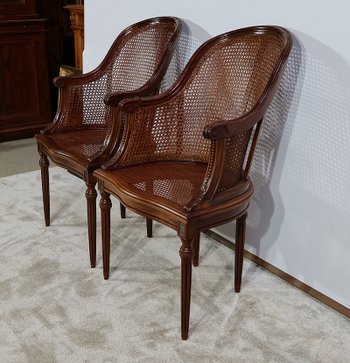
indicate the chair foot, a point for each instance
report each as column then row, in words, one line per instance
column 91, row 195
column 149, row 223
column 105, row 205
column 122, row 211
column 239, row 250
column 44, row 167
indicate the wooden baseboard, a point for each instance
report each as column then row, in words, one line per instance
column 284, row 276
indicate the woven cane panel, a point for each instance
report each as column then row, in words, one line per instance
column 132, row 63
column 235, row 153
column 139, row 57
column 79, row 143
column 225, row 84
column 175, row 182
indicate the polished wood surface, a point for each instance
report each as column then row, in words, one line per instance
column 25, row 105
column 44, row 166
column 184, row 155
column 18, row 9
column 77, row 24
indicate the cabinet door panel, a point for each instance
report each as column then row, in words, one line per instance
column 24, row 86
column 18, row 86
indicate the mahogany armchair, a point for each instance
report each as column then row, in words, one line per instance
column 184, row 155
column 83, row 135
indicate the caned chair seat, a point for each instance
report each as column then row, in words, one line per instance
column 175, row 185
column 78, row 146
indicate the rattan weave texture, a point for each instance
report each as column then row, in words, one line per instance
column 131, row 64
column 79, row 143
column 177, row 182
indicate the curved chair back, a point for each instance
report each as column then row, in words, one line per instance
column 229, row 76
column 139, row 57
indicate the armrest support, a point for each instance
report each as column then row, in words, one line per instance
column 222, row 135
column 111, row 142
column 212, row 176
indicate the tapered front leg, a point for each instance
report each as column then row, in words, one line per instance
column 105, row 205
column 149, row 224
column 196, row 249
column 239, row 250
column 186, row 254
column 122, row 211
column 91, row 195
column 44, row 167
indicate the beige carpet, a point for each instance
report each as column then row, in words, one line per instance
column 54, row 308
column 18, row 156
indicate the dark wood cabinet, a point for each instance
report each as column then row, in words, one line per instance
column 25, row 105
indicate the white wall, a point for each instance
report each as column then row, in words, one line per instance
column 300, row 216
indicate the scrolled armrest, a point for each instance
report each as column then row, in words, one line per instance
column 78, row 79
column 228, row 128
column 64, row 81
column 129, row 105
column 112, row 99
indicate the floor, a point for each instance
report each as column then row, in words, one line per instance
column 55, row 308
column 18, row 156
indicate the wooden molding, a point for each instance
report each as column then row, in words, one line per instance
column 76, row 13
column 284, row 276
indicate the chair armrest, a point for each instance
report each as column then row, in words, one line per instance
column 113, row 99
column 129, row 102
column 78, row 79
column 227, row 128
column 229, row 149
column 71, row 91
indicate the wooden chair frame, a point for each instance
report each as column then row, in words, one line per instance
column 210, row 207
column 79, row 164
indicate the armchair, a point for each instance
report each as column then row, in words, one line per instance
column 83, row 135
column 184, row 155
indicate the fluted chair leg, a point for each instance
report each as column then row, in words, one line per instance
column 149, row 223
column 196, row 240
column 239, row 250
column 91, row 195
column 44, row 166
column 122, row 211
column 186, row 254
column 105, row 205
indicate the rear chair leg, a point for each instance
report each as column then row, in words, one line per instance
column 44, row 166
column 105, row 205
column 196, row 249
column 239, row 250
column 91, row 195
column 149, row 223
column 122, row 211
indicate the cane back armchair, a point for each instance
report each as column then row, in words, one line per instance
column 184, row 156
column 83, row 134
